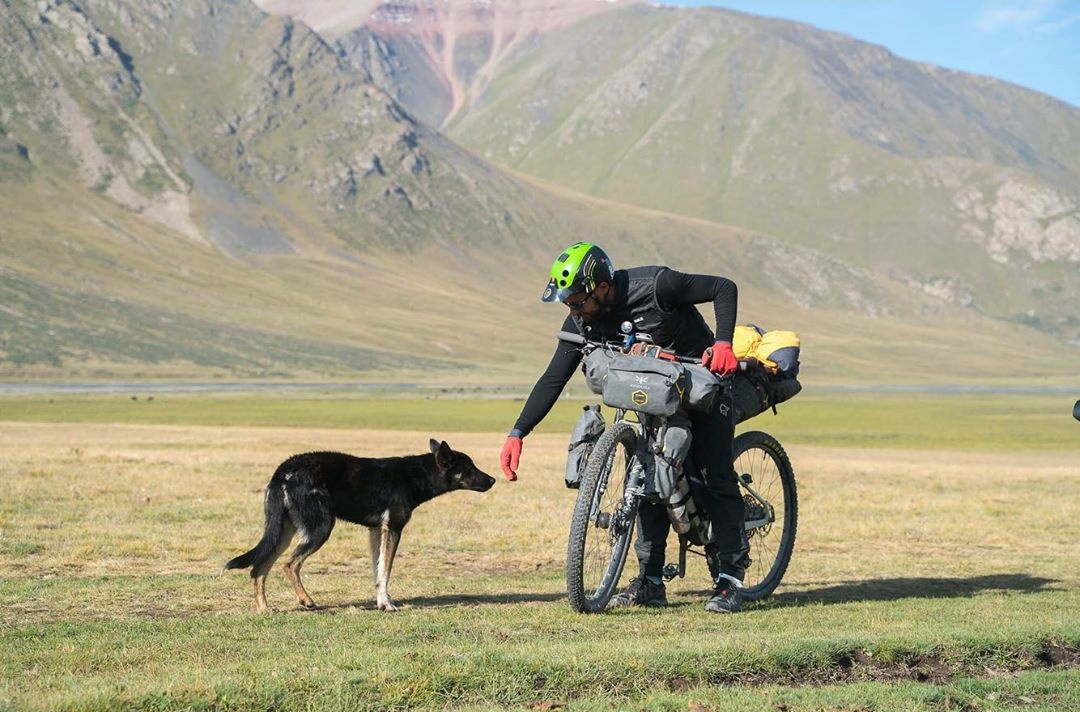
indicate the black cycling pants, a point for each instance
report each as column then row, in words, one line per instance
column 717, row 490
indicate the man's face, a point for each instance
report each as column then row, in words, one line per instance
column 589, row 305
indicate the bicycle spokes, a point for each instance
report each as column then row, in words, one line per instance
column 769, row 495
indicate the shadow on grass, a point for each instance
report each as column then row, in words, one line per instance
column 458, row 599
column 465, row 599
column 892, row 589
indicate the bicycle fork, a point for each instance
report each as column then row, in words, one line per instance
column 635, row 488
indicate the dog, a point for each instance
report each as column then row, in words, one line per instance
column 310, row 492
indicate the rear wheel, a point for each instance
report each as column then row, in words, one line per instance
column 764, row 470
column 603, row 521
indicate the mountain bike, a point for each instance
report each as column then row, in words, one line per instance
column 620, row 472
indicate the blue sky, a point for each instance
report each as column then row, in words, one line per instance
column 1034, row 43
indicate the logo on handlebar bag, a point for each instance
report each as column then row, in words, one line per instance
column 642, row 380
column 639, row 397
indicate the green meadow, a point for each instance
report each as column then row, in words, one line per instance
column 997, row 421
column 936, row 565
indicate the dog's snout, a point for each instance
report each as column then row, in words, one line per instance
column 482, row 481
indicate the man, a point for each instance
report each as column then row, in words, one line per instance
column 660, row 302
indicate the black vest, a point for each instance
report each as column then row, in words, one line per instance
column 682, row 329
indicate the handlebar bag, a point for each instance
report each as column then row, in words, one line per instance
column 643, row 384
column 701, row 387
column 589, row 428
column 595, row 367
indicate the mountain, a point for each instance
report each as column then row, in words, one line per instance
column 211, row 187
column 959, row 186
column 203, row 190
column 438, row 58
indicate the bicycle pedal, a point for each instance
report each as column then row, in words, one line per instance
column 670, row 571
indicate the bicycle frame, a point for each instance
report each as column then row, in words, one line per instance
column 650, row 430
column 640, row 436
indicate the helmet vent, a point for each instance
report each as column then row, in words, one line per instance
column 580, row 267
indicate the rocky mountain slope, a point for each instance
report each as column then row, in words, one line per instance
column 962, row 187
column 199, row 189
column 437, row 57
column 141, row 141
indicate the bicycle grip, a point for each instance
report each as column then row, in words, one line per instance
column 570, row 337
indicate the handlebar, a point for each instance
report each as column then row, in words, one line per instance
column 572, row 338
column 579, row 340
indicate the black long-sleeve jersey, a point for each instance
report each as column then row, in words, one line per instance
column 673, row 290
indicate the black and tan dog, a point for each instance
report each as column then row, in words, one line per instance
column 309, row 493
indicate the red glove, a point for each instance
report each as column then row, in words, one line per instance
column 511, row 455
column 720, row 359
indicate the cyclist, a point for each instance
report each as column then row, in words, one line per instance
column 660, row 302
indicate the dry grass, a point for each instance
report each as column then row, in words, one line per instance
column 132, row 500
column 154, row 501
column 923, row 568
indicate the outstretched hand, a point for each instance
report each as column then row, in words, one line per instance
column 510, row 457
column 720, row 359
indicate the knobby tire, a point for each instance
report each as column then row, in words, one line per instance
column 601, row 490
column 761, row 455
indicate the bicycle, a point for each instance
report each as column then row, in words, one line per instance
column 617, row 478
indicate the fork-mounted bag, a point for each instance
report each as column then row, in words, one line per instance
column 589, row 428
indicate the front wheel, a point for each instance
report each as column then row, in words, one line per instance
column 603, row 521
column 767, row 481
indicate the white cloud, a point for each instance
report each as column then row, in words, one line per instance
column 1019, row 15
column 1058, row 24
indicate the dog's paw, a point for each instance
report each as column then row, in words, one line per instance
column 387, row 605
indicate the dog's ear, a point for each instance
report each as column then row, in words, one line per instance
column 443, row 455
column 434, row 444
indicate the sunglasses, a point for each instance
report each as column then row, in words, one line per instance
column 580, row 304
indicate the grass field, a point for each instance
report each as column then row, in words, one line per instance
column 937, row 567
column 896, row 420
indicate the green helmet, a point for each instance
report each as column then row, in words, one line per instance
column 579, row 268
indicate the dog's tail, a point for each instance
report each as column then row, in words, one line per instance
column 274, row 507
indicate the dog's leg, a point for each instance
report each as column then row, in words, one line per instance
column 259, row 570
column 387, row 549
column 310, row 542
column 375, row 544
